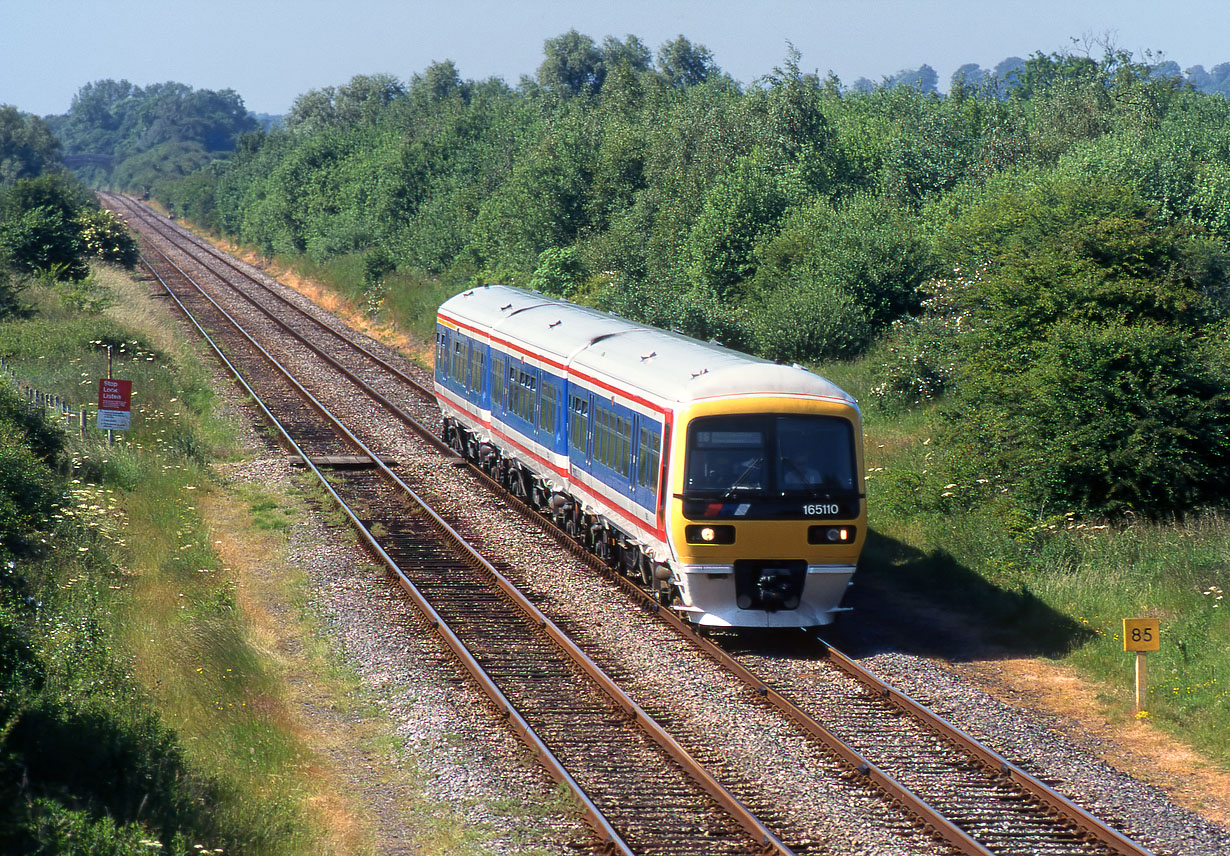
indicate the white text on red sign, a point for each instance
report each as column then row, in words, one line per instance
column 114, row 394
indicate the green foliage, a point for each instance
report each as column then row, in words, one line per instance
column 29, row 489
column 684, row 64
column 41, row 241
column 42, row 231
column 1091, row 378
column 107, row 238
column 112, row 121
column 27, row 146
column 740, row 209
column 572, row 65
column 560, row 272
column 808, row 320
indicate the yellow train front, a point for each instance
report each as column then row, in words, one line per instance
column 767, row 514
column 730, row 484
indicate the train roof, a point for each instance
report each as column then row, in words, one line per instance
column 667, row 365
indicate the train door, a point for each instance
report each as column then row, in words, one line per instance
column 579, row 404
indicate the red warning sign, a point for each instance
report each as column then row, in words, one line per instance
column 114, row 394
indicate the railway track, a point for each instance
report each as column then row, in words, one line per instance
column 953, row 789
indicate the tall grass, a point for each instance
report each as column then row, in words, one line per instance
column 149, row 720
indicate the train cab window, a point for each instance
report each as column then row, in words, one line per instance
column 578, row 422
column 766, row 453
column 649, row 457
column 726, row 454
column 441, row 353
column 814, row 454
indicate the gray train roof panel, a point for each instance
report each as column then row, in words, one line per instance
column 678, row 368
column 545, row 324
column 664, row 364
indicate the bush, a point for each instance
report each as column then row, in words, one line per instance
column 106, row 238
column 29, row 488
column 42, row 240
column 809, row 321
column 560, row 272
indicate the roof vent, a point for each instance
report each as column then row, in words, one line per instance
column 506, row 306
column 554, row 324
column 649, row 356
column 699, row 373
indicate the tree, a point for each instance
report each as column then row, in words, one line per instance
column 560, row 272
column 685, row 64
column 795, row 115
column 631, row 52
column 41, row 241
column 1090, row 374
column 573, row 65
column 739, row 210
column 924, row 79
column 971, row 76
column 439, row 82
column 27, row 146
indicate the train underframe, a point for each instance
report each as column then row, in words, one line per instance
column 593, row 532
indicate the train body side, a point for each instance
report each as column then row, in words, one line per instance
column 602, row 414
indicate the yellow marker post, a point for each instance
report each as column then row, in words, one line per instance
column 1141, row 635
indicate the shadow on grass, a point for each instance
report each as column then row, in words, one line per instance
column 927, row 603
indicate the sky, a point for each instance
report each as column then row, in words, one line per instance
column 271, row 51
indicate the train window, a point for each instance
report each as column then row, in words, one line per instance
column 600, row 434
column 648, row 457
column 578, row 422
column 814, row 454
column 497, row 381
column 522, row 389
column 458, row 367
column 546, row 411
column 441, row 353
column 477, row 366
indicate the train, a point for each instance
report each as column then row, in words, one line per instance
column 730, row 485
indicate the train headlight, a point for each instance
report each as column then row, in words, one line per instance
column 710, row 534
column 831, row 534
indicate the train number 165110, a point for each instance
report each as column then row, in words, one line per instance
column 831, row 509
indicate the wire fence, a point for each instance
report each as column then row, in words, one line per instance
column 74, row 418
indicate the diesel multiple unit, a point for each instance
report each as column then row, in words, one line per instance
column 731, row 485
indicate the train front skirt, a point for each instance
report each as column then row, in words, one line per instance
column 762, row 594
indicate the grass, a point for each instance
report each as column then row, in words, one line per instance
column 157, row 707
